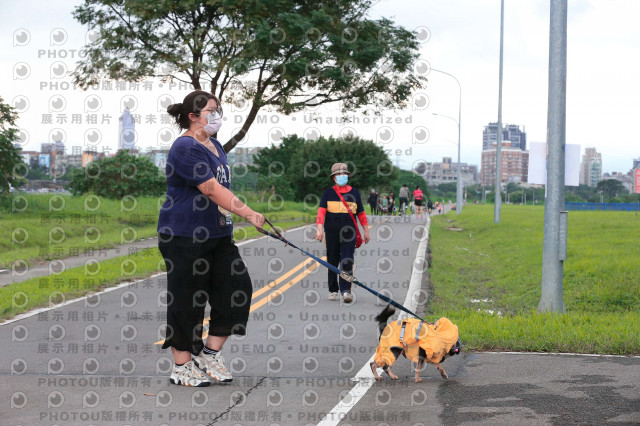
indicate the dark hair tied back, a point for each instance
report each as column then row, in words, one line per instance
column 174, row 109
column 194, row 102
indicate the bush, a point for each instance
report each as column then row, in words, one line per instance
column 117, row 176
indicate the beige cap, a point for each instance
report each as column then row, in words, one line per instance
column 339, row 169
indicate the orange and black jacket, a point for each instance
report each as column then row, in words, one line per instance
column 332, row 212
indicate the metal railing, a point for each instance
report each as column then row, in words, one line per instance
column 603, row 206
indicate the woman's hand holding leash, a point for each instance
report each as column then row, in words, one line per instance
column 256, row 219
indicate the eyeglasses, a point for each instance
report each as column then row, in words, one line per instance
column 217, row 110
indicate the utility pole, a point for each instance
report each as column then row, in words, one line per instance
column 498, row 198
column 459, row 184
column 555, row 221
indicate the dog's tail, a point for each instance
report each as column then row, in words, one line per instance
column 383, row 317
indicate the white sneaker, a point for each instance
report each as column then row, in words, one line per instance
column 334, row 296
column 213, row 365
column 188, row 375
column 347, row 297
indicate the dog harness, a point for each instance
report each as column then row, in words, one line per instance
column 411, row 334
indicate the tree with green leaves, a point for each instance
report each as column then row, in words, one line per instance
column 9, row 155
column 369, row 165
column 36, row 173
column 581, row 193
column 273, row 166
column 285, row 55
column 299, row 167
column 611, row 188
column 117, row 176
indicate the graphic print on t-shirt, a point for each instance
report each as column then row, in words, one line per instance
column 224, row 176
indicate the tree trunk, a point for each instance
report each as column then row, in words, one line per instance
column 235, row 139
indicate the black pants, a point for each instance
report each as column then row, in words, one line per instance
column 341, row 245
column 199, row 272
column 403, row 202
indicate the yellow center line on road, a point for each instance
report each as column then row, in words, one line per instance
column 277, row 292
column 286, row 287
column 309, row 268
column 284, row 277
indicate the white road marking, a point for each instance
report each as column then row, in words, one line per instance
column 364, row 377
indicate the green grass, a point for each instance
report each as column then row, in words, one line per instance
column 39, row 292
column 500, row 267
column 57, row 226
column 30, row 231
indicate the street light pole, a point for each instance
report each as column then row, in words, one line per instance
column 459, row 121
column 459, row 186
column 498, row 198
column 554, row 245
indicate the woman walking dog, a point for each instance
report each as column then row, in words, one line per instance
column 195, row 237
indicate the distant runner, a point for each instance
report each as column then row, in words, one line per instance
column 417, row 199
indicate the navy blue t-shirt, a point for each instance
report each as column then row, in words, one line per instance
column 187, row 212
column 337, row 215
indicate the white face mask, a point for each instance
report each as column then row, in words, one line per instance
column 214, row 122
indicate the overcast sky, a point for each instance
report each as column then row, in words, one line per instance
column 460, row 37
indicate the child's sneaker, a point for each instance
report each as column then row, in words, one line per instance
column 347, row 297
column 334, row 295
column 213, row 365
column 188, row 375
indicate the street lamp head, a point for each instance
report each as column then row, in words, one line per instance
column 449, row 117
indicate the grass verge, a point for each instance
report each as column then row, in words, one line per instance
column 45, row 291
column 40, row 227
column 487, row 279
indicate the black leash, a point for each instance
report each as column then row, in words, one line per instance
column 343, row 275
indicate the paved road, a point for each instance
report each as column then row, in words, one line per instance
column 95, row 361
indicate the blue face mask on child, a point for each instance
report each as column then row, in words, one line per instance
column 342, row 180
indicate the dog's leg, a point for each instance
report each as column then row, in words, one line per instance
column 442, row 372
column 396, row 353
column 419, row 369
column 387, row 370
column 374, row 366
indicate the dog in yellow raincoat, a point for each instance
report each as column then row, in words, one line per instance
column 417, row 340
